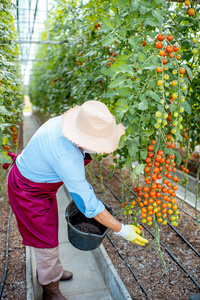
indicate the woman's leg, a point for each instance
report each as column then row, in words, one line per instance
column 48, row 265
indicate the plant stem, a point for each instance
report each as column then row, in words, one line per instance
column 92, row 177
column 196, row 192
column 157, row 237
column 101, row 180
column 186, row 163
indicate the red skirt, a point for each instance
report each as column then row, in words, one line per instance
column 35, row 207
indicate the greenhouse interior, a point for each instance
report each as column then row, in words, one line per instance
column 100, row 149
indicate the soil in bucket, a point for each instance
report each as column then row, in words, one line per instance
column 83, row 224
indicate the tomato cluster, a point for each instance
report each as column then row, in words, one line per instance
column 171, row 85
column 14, row 133
column 160, row 190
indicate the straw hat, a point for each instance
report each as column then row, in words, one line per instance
column 92, row 126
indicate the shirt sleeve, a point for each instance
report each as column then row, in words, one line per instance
column 72, row 172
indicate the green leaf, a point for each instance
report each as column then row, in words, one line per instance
column 4, row 158
column 143, row 105
column 117, row 82
column 117, row 19
column 189, row 72
column 158, row 15
column 120, row 3
column 134, row 5
column 143, row 154
column 132, row 150
column 3, row 111
column 153, row 95
column 108, row 40
column 134, row 41
column 124, row 92
column 148, row 132
column 178, row 158
column 141, row 56
column 122, row 141
column 143, row 9
column 5, row 140
column 137, row 170
column 187, row 107
column 107, row 23
column 128, row 162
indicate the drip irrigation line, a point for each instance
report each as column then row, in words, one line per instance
column 128, row 265
column 175, row 259
column 168, row 251
column 184, row 239
column 6, row 263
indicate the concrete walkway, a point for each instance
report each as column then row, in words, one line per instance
column 88, row 281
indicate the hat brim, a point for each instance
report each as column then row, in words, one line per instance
column 81, row 139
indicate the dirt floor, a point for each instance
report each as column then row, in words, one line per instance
column 15, row 284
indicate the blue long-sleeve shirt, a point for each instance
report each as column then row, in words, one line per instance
column 50, row 157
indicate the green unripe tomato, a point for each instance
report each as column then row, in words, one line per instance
column 195, row 40
column 162, row 101
column 130, row 211
column 164, row 222
column 157, row 125
column 181, row 80
column 166, row 106
column 149, row 223
column 174, row 72
column 196, row 57
column 180, row 126
column 183, row 87
column 194, row 50
column 175, row 122
column 174, row 223
column 181, row 109
column 173, row 130
column 165, row 115
column 144, row 220
column 159, row 120
column 158, row 114
column 124, row 212
column 164, row 122
column 176, row 212
column 182, row 99
column 180, row 118
column 176, row 114
column 166, row 84
column 166, row 94
column 166, row 76
column 173, row 218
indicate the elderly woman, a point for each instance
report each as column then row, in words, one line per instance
column 54, row 156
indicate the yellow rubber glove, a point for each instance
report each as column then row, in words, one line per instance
column 139, row 239
column 132, row 233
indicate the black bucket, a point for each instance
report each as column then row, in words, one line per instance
column 81, row 240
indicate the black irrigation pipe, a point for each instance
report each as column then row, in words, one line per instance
column 6, row 262
column 180, row 235
column 128, row 265
column 168, row 251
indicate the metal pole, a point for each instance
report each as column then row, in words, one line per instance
column 47, row 20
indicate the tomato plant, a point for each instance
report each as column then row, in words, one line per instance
column 11, row 100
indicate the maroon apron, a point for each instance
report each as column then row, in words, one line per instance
column 35, row 207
